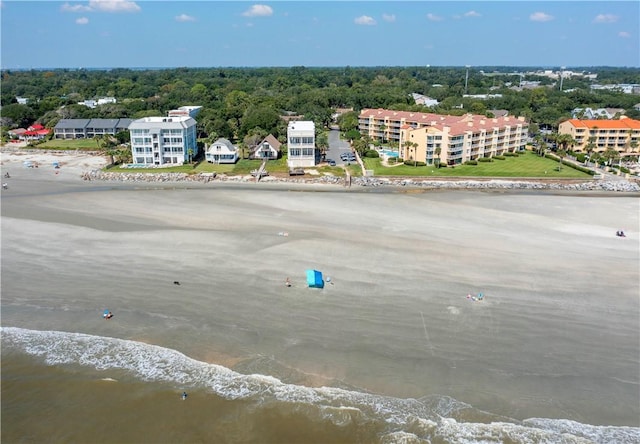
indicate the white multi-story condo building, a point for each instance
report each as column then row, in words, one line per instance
column 163, row 140
column 301, row 144
column 423, row 137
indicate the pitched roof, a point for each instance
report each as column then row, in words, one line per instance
column 103, row 123
column 275, row 143
column 624, row 123
column 457, row 124
column 72, row 123
column 225, row 142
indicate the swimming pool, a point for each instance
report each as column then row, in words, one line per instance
column 390, row 153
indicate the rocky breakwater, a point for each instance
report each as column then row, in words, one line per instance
column 503, row 184
column 624, row 186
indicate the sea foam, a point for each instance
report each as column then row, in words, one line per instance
column 404, row 420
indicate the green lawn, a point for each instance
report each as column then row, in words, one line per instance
column 527, row 164
column 69, row 144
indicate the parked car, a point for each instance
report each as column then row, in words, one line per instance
column 331, row 162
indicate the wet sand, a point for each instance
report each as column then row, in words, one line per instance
column 556, row 336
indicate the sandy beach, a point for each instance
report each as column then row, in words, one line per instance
column 556, row 335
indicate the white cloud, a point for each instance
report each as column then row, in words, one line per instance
column 258, row 11
column 540, row 17
column 114, row 6
column 364, row 20
column 389, row 17
column 82, row 21
column 605, row 18
column 434, row 18
column 75, row 8
column 103, row 6
column 472, row 14
column 624, row 34
column 185, row 18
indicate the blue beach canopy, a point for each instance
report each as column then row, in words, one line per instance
column 314, row 279
column 106, row 312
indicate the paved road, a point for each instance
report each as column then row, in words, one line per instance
column 337, row 146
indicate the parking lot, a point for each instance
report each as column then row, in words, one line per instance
column 339, row 149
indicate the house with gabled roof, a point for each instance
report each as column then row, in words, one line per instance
column 222, row 151
column 269, row 148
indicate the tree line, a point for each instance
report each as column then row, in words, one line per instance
column 244, row 104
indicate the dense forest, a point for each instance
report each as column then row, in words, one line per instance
column 244, row 102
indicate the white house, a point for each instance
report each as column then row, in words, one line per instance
column 301, row 144
column 222, row 151
column 420, row 99
column 596, row 113
column 269, row 148
column 190, row 111
column 163, row 140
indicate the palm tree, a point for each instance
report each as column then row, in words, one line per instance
column 436, row 161
column 98, row 139
column 124, row 155
column 412, row 147
column 383, row 129
column 563, row 141
column 540, row 144
column 610, row 155
column 561, row 154
column 109, row 147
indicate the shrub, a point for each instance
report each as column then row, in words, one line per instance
column 372, row 153
column 392, row 160
column 499, row 157
column 485, row 159
column 581, row 157
column 508, row 154
column 414, row 163
column 471, row 162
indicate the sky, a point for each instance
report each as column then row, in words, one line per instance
column 210, row 33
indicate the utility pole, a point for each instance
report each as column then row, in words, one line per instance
column 466, row 79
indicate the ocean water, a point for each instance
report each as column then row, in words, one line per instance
column 136, row 389
column 392, row 350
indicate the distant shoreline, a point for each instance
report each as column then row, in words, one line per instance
column 88, row 166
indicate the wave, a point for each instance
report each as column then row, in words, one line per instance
column 438, row 418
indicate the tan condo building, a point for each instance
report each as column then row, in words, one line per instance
column 423, row 137
column 621, row 135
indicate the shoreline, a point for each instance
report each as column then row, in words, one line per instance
column 87, row 167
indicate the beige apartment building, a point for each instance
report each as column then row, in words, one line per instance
column 453, row 139
column 622, row 135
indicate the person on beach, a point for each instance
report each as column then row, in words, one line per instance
column 108, row 315
column 184, row 395
column 287, row 282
